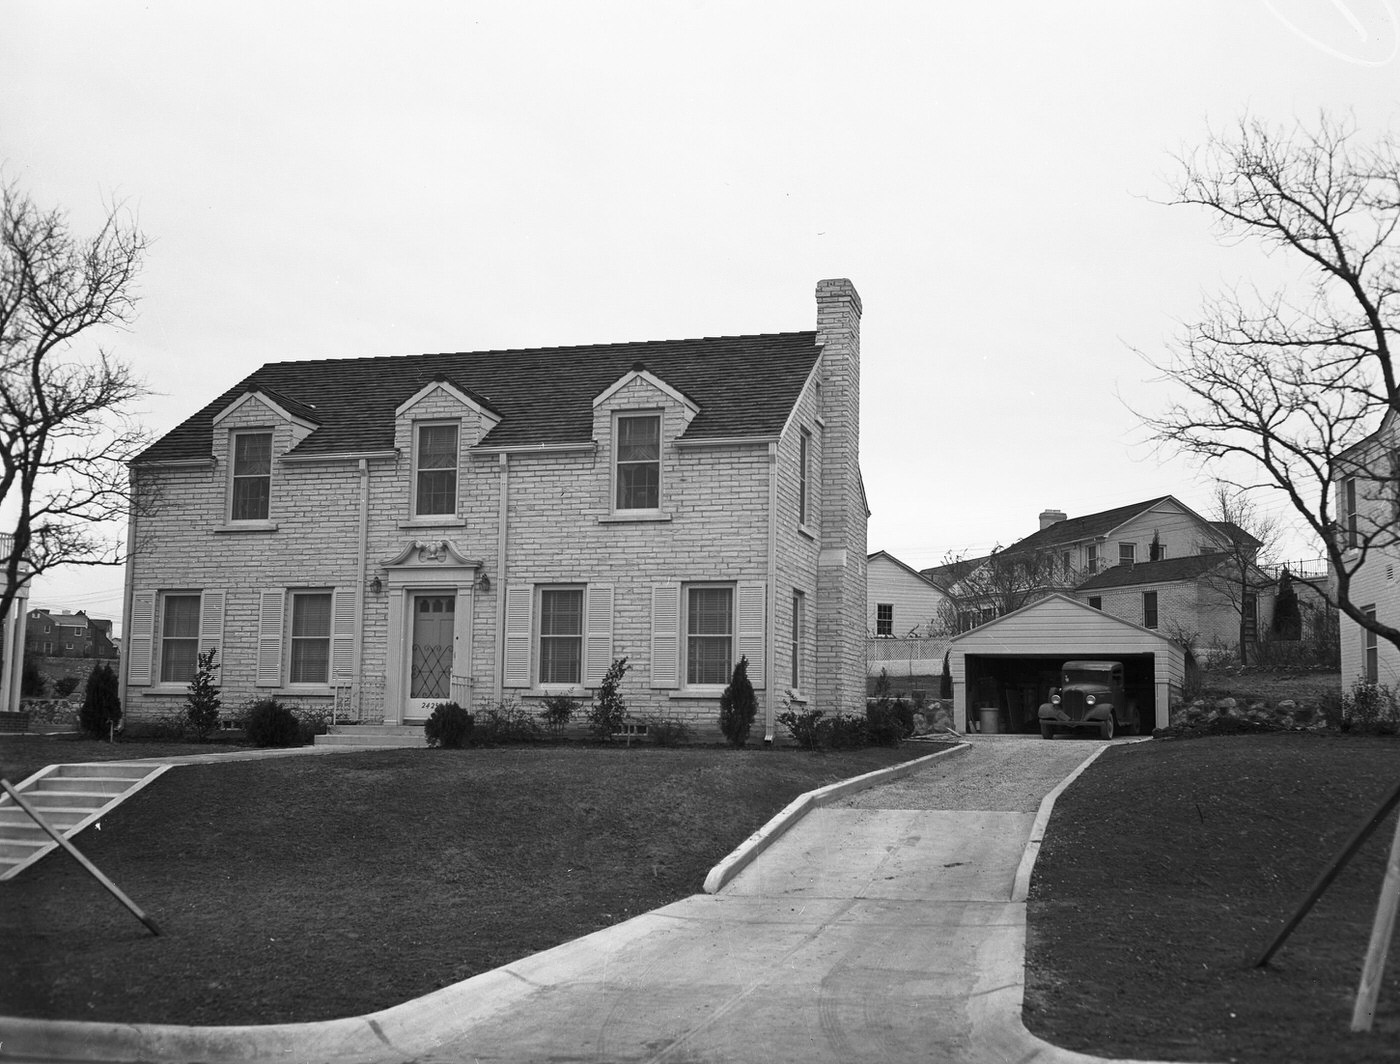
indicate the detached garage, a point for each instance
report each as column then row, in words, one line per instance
column 1004, row 670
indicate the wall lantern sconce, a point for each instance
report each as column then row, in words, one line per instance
column 376, row 585
column 485, row 584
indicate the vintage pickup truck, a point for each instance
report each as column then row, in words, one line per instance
column 1090, row 695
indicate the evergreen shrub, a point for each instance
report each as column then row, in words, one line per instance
column 448, row 726
column 270, row 723
column 102, row 707
column 738, row 706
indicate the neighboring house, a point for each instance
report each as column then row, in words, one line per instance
column 503, row 525
column 1156, row 563
column 68, row 635
column 1367, row 509
column 900, row 600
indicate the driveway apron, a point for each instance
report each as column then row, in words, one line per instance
column 880, row 928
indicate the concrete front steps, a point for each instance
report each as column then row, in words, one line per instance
column 373, row 736
column 69, row 798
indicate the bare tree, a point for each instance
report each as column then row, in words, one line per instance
column 1295, row 380
column 65, row 432
column 984, row 588
column 1239, row 578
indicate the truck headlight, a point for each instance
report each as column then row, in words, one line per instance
column 1089, row 700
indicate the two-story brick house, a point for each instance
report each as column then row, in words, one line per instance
column 504, row 524
column 1368, row 527
column 68, row 635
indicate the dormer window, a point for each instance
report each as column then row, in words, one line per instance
column 435, row 470
column 252, row 476
column 638, row 461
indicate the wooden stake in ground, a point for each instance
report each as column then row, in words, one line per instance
column 1381, row 932
column 91, row 868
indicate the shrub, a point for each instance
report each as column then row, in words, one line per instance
column 609, row 709
column 889, row 723
column 311, row 723
column 448, row 726
column 664, row 731
column 504, row 722
column 202, row 702
column 269, row 723
column 102, row 707
column 65, row 686
column 738, row 706
column 1370, row 707
column 804, row 727
column 557, row 712
column 168, row 728
column 31, row 683
column 845, row 732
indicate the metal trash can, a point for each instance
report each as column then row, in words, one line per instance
column 989, row 717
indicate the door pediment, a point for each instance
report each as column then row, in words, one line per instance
column 430, row 553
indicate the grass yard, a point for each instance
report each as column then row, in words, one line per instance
column 307, row 888
column 1169, row 866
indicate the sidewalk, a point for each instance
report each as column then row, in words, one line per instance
column 862, row 934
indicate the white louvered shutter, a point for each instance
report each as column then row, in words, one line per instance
column 343, row 620
column 753, row 609
column 140, row 643
column 519, row 604
column 211, row 624
column 272, row 606
column 666, row 635
column 598, row 633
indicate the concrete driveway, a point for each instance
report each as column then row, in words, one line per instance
column 884, row 927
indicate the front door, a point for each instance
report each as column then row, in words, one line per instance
column 430, row 653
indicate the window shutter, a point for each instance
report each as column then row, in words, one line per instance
column 666, row 635
column 343, row 618
column 211, row 623
column 271, row 607
column 753, row 608
column 598, row 633
column 520, row 600
column 141, row 639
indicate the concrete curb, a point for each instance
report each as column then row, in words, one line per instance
column 743, row 855
column 1022, row 886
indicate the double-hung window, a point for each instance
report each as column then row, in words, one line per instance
column 709, row 635
column 435, row 470
column 884, row 618
column 179, row 637
column 561, row 635
column 252, row 476
column 1149, row 609
column 1370, row 649
column 1353, row 538
column 1127, row 553
column 799, row 610
column 638, row 461
column 804, row 457
column 310, row 656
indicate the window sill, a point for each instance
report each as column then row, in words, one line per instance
column 712, row 691
column 806, row 531
column 568, row 689
column 434, row 522
column 248, row 526
column 630, row 517
column 795, row 697
column 162, row 690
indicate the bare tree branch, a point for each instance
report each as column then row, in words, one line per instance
column 1298, row 381
column 65, row 432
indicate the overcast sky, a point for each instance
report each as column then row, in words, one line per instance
column 347, row 179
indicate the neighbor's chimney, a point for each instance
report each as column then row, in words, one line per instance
column 1051, row 517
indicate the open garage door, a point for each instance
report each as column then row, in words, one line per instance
column 1016, row 685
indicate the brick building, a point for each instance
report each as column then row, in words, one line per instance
column 504, row 524
column 68, row 635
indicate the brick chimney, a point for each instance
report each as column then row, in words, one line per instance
column 1051, row 517
column 841, row 606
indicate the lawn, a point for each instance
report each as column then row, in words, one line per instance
column 307, row 888
column 1168, row 867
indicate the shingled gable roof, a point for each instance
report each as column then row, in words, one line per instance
column 1090, row 526
column 744, row 386
column 1168, row 570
